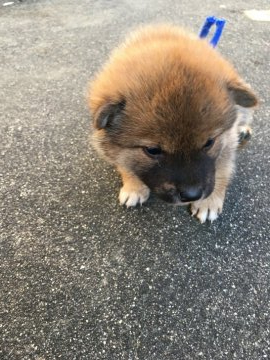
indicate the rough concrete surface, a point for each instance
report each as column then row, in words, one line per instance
column 82, row 277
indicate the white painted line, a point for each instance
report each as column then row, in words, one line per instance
column 258, row 15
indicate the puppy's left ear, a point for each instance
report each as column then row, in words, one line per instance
column 242, row 94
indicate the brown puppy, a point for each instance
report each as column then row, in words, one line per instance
column 167, row 113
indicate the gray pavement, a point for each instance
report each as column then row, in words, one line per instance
column 82, row 277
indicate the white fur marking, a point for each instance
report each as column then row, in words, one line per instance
column 133, row 197
column 207, row 209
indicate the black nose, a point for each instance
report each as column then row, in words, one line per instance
column 191, row 193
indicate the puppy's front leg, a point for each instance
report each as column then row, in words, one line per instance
column 133, row 191
column 211, row 207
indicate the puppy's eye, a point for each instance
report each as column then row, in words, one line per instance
column 209, row 143
column 153, row 152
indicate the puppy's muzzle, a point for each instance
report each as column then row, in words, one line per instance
column 186, row 194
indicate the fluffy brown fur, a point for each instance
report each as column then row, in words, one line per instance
column 165, row 113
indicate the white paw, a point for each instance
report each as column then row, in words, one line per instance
column 133, row 195
column 244, row 134
column 207, row 209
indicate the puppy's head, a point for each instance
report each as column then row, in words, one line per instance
column 167, row 114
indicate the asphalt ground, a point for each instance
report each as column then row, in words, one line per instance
column 81, row 276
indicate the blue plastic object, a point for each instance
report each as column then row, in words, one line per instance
column 209, row 22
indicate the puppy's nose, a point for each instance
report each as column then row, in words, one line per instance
column 191, row 193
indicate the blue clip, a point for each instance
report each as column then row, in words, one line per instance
column 209, row 22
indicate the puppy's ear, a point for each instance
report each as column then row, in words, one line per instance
column 242, row 94
column 109, row 114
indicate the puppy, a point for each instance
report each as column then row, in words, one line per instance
column 168, row 111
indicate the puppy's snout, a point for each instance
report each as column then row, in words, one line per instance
column 191, row 193
column 180, row 194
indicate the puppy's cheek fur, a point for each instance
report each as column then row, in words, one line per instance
column 211, row 207
column 134, row 160
column 105, row 148
column 131, row 159
column 229, row 144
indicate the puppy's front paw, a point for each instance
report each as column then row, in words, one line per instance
column 207, row 209
column 244, row 136
column 133, row 194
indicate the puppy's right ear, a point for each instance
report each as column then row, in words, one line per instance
column 109, row 115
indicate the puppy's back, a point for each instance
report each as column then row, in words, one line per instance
column 156, row 53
